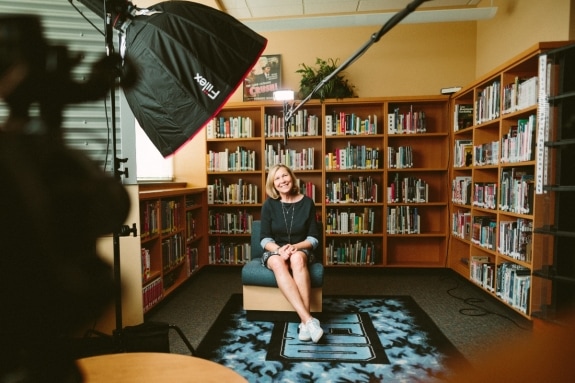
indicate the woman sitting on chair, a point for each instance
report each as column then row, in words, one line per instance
column 289, row 233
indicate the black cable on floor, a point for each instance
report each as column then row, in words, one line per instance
column 477, row 310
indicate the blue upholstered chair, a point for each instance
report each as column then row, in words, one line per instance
column 262, row 298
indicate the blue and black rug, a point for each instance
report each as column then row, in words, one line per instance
column 367, row 339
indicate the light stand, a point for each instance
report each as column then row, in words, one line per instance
column 124, row 230
column 396, row 19
column 191, row 58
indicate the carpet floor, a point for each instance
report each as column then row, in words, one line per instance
column 367, row 339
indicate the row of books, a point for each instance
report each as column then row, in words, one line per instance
column 173, row 252
column 193, row 259
column 485, row 195
column 515, row 239
column 191, row 226
column 513, row 284
column 461, row 190
column 482, row 271
column 403, row 220
column 229, row 253
column 520, row 94
column 302, row 160
column 163, row 216
column 484, row 232
column 239, row 193
column 230, row 223
column 240, row 160
column 351, row 190
column 354, row 253
column 486, row 154
column 518, row 144
column 306, row 188
column 509, row 281
column 352, row 157
column 170, row 216
column 149, row 219
column 302, row 124
column 408, row 190
column 517, row 189
column 341, row 124
column 169, row 260
column 399, row 158
column 152, row 293
column 461, row 224
column 232, row 127
column 350, row 221
column 409, row 122
column 462, row 153
column 488, row 103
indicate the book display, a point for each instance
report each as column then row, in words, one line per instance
column 173, row 239
column 494, row 204
column 365, row 163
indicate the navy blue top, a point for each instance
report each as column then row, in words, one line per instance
column 273, row 222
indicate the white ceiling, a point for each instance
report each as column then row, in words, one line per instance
column 255, row 9
column 269, row 15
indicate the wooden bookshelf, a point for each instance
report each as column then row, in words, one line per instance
column 335, row 162
column 173, row 238
column 494, row 206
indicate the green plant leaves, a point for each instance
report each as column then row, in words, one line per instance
column 336, row 87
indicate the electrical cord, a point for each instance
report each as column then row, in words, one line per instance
column 476, row 310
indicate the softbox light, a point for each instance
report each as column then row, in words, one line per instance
column 191, row 58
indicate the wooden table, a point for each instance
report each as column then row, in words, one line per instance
column 143, row 367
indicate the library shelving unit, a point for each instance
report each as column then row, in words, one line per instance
column 377, row 169
column 494, row 206
column 554, row 270
column 173, row 238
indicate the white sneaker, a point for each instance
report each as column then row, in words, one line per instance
column 303, row 333
column 314, row 329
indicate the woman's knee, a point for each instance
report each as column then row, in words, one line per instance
column 299, row 260
column 276, row 263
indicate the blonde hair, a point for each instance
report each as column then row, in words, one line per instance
column 270, row 187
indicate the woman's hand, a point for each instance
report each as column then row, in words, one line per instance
column 286, row 251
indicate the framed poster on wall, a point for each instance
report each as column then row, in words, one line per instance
column 263, row 79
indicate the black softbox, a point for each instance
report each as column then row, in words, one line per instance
column 191, row 59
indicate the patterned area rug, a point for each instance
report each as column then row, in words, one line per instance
column 367, row 339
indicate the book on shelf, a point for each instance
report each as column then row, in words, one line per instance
column 461, row 224
column 476, row 268
column 409, row 122
column 515, row 238
column 518, row 143
column 520, row 94
column 408, row 189
column 487, row 105
column 517, row 191
column 463, row 153
column 483, row 231
column 350, row 252
column 400, row 157
column 403, row 219
column 461, row 190
column 463, row 116
column 513, row 285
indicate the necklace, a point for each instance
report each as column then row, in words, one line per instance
column 285, row 212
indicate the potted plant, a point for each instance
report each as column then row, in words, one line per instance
column 337, row 87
